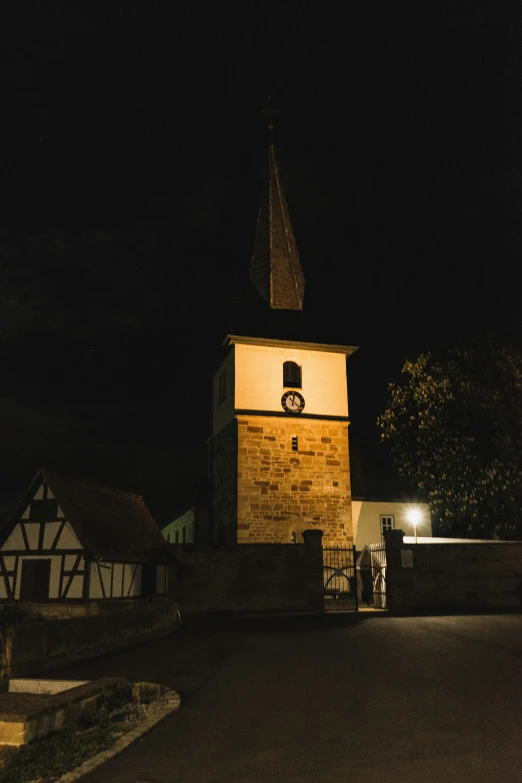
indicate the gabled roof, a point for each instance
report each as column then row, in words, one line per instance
column 109, row 524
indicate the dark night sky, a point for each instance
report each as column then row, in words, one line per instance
column 132, row 156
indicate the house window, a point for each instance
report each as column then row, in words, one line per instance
column 34, row 584
column 222, row 390
column 176, row 539
column 386, row 523
column 291, row 375
column 184, row 534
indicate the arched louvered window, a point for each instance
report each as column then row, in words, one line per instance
column 291, row 375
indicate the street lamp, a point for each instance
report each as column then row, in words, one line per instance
column 414, row 516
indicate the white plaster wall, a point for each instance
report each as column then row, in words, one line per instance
column 128, row 571
column 68, row 538
column 9, row 563
column 15, row 540
column 259, row 379
column 51, row 529
column 223, row 412
column 117, row 580
column 136, row 585
column 185, row 520
column 106, row 578
column 32, row 531
column 119, row 569
column 75, row 589
column 95, row 590
column 366, row 516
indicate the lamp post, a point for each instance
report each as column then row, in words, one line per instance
column 414, row 516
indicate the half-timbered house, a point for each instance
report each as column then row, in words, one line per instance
column 73, row 541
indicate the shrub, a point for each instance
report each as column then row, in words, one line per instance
column 13, row 614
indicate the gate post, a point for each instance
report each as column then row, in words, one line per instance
column 313, row 541
column 395, row 577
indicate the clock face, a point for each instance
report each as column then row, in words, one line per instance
column 292, row 402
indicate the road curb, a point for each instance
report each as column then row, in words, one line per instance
column 172, row 703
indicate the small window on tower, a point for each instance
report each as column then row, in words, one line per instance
column 291, row 375
column 295, row 443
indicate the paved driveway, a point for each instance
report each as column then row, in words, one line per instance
column 415, row 700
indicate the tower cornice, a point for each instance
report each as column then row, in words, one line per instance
column 232, row 339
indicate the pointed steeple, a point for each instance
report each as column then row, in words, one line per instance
column 276, row 271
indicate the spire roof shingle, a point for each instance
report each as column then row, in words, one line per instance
column 276, row 271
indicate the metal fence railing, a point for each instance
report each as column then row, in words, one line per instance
column 339, row 579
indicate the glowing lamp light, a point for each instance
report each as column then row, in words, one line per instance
column 414, row 516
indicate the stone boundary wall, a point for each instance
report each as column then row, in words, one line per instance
column 454, row 575
column 249, row 577
column 33, row 647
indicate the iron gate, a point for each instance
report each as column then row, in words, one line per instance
column 339, row 579
column 378, row 560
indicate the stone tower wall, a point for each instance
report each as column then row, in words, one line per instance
column 224, row 485
column 280, row 491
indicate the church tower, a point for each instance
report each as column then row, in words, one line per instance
column 279, row 439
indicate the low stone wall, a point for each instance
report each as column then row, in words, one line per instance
column 33, row 647
column 26, row 716
column 249, row 577
column 59, row 611
column 453, row 575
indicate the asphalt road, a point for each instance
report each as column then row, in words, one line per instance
column 415, row 700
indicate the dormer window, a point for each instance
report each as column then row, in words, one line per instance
column 291, row 375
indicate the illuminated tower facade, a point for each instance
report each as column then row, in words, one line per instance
column 279, row 440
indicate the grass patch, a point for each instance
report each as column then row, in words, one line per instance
column 147, row 692
column 45, row 759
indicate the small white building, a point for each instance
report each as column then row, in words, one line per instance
column 73, row 541
column 189, row 525
column 372, row 517
column 181, row 530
